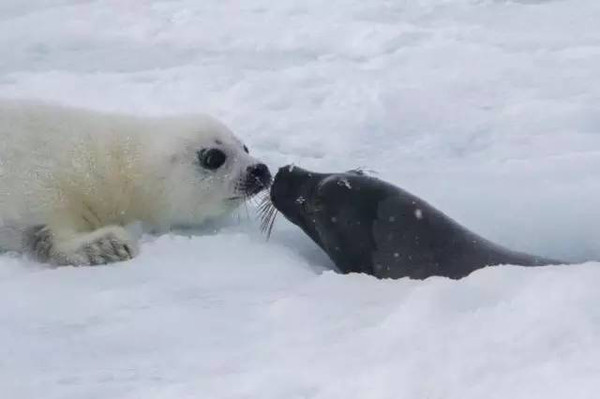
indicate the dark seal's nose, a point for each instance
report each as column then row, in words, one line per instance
column 292, row 188
column 294, row 192
column 259, row 173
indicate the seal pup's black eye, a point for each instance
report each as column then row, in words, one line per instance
column 246, row 150
column 211, row 159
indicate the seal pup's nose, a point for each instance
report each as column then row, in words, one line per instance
column 260, row 173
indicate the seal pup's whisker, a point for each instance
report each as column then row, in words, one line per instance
column 268, row 222
column 267, row 214
column 247, row 211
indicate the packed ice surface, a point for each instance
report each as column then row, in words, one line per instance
column 488, row 109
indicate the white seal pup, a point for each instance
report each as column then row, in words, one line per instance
column 71, row 179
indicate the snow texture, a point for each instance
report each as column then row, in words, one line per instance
column 488, row 109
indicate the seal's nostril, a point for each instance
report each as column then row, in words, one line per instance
column 261, row 173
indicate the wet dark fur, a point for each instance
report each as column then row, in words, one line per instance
column 370, row 226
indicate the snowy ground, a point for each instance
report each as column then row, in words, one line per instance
column 489, row 109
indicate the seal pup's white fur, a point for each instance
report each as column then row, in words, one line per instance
column 72, row 179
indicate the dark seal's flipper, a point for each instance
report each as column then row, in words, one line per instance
column 369, row 226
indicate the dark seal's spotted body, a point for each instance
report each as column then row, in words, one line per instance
column 369, row 226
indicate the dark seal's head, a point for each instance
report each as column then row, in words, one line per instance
column 335, row 209
column 293, row 194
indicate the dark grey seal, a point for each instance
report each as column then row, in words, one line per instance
column 366, row 225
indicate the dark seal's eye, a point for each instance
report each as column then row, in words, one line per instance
column 246, row 150
column 211, row 159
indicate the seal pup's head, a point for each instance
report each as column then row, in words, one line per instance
column 208, row 171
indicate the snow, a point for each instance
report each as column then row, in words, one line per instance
column 486, row 108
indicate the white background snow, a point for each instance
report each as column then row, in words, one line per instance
column 489, row 109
